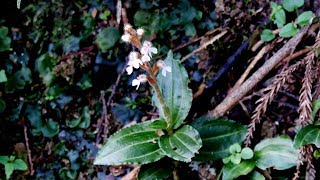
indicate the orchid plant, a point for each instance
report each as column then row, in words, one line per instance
column 152, row 140
column 205, row 139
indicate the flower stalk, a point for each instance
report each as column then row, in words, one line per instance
column 161, row 101
column 141, row 59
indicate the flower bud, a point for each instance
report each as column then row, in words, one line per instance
column 140, row 31
column 126, row 37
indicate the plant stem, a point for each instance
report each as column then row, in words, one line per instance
column 175, row 172
column 161, row 100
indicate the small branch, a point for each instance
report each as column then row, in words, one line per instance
column 85, row 50
column 234, row 97
column 203, row 46
column 227, row 65
column 251, row 66
column 28, row 149
column 190, row 42
column 105, row 107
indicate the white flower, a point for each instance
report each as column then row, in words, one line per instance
column 140, row 79
column 145, row 58
column 164, row 67
column 129, row 70
column 126, row 37
column 147, row 49
column 127, row 27
column 140, row 31
column 134, row 62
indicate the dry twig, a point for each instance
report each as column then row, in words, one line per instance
column 251, row 66
column 234, row 97
column 203, row 46
column 25, row 129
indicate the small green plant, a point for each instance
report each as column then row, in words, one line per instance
column 11, row 163
column 278, row 17
column 237, row 154
column 206, row 139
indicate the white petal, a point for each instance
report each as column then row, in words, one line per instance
column 136, row 82
column 144, row 50
column 154, row 50
column 129, row 69
column 167, row 68
column 126, row 37
column 164, row 72
column 145, row 58
column 135, row 65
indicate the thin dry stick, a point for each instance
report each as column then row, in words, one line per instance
column 251, row 66
column 190, row 42
column 234, row 97
column 264, row 101
column 25, row 129
column 203, row 46
column 105, row 106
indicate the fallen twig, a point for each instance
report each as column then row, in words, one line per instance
column 251, row 66
column 234, row 97
column 203, row 46
column 25, row 129
column 227, row 65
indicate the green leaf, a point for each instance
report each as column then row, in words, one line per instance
column 175, row 91
column 235, row 158
column 19, row 164
column 307, row 135
column 33, row 113
column 2, row 105
column 105, row 15
column 107, row 38
column 267, row 35
column 44, row 65
column 291, row 5
column 154, row 173
column 217, row 135
column 278, row 153
column 141, row 18
column 226, row 160
column 315, row 108
column 235, row 148
column 190, row 30
column 304, row 18
column 71, row 44
column 4, row 160
column 50, row 128
column 136, row 144
column 182, row 145
column 73, row 122
column 5, row 41
column 280, row 16
column 85, row 118
column 246, row 153
column 3, row 77
column 9, row 167
column 256, row 176
column 274, row 8
column 232, row 171
column 316, row 154
column 288, row 30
